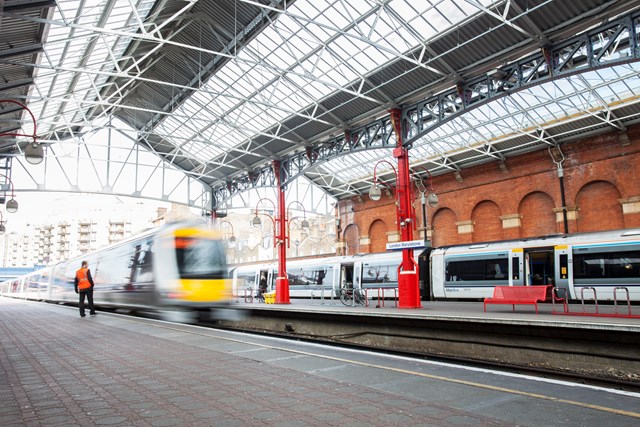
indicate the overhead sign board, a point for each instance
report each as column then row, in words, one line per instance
column 411, row 244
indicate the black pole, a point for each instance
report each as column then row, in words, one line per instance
column 423, row 200
column 564, row 202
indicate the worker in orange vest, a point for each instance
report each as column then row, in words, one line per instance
column 84, row 286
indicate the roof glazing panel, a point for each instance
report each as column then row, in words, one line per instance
column 306, row 54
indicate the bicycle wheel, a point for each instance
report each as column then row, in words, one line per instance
column 344, row 297
column 360, row 297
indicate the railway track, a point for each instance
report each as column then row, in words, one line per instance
column 580, row 354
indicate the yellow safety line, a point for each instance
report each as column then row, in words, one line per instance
column 430, row 376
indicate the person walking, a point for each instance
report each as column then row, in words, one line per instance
column 84, row 286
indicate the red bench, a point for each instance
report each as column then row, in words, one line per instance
column 518, row 295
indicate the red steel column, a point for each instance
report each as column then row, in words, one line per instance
column 408, row 283
column 282, row 281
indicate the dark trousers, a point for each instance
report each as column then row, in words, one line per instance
column 89, row 294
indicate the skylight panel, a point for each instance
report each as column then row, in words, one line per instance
column 332, row 17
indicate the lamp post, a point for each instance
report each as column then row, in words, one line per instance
column 408, row 287
column 11, row 205
column 431, row 199
column 279, row 238
column 231, row 239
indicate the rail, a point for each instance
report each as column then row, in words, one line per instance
column 321, row 289
column 595, row 297
column 381, row 295
column 615, row 299
column 556, row 298
column 247, row 294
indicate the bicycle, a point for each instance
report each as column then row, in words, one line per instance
column 347, row 297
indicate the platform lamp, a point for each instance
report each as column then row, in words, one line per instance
column 33, row 152
column 304, row 224
column 374, row 192
column 431, row 199
column 231, row 239
column 12, row 204
column 257, row 222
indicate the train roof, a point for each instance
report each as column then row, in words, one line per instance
column 551, row 240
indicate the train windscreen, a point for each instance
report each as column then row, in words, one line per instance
column 200, row 258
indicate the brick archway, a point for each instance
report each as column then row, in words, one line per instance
column 486, row 222
column 351, row 239
column 598, row 207
column 538, row 218
column 445, row 231
column 378, row 235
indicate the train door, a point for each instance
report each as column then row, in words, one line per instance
column 517, row 268
column 539, row 266
column 424, row 269
column 562, row 279
column 268, row 274
column 347, row 278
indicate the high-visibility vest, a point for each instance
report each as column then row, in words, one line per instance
column 83, row 281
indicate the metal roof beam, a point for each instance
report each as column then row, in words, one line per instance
column 23, row 50
column 13, row 6
column 550, row 63
column 16, row 84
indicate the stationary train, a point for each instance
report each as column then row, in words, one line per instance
column 602, row 265
column 177, row 268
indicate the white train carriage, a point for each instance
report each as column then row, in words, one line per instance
column 602, row 265
column 326, row 276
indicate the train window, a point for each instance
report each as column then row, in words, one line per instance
column 515, row 267
column 385, row 275
column 494, row 269
column 310, row 276
column 606, row 265
column 246, row 279
column 201, row 258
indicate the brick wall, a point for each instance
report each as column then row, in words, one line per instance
column 602, row 192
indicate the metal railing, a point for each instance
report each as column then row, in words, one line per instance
column 381, row 295
column 321, row 289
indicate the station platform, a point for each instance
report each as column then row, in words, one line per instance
column 604, row 316
column 110, row 369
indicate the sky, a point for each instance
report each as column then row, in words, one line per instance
column 36, row 208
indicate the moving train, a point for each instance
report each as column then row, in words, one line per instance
column 586, row 266
column 180, row 269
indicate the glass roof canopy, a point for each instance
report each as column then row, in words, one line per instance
column 309, row 52
column 314, row 49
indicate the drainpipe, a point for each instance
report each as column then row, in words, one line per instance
column 558, row 159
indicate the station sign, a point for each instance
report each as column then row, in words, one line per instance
column 411, row 244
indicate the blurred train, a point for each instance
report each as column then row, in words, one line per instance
column 584, row 266
column 178, row 269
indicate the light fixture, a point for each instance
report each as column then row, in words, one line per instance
column 458, row 176
column 432, row 200
column 34, row 153
column 256, row 222
column 304, row 223
column 374, row 192
column 12, row 206
column 232, row 238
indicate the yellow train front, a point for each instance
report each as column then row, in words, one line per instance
column 178, row 270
